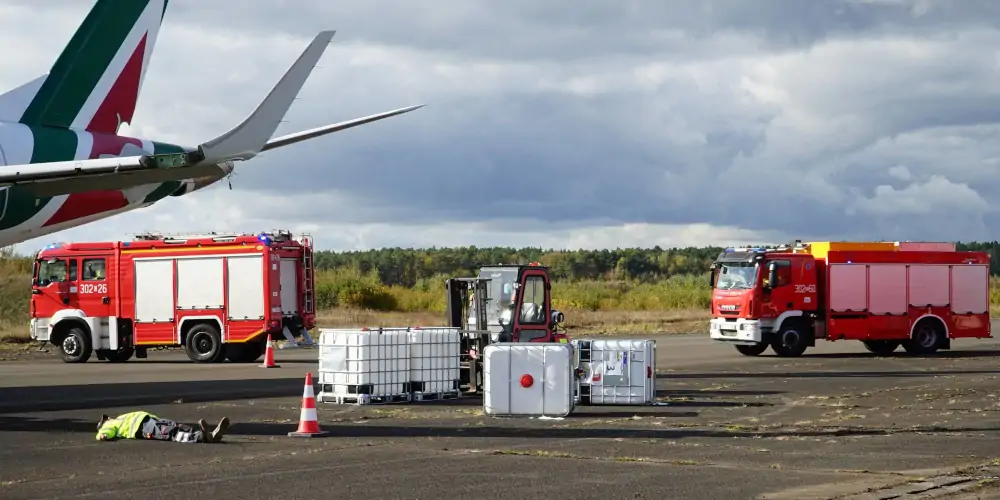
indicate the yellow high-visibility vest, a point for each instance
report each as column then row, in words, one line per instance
column 126, row 426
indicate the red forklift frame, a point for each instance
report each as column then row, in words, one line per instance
column 530, row 321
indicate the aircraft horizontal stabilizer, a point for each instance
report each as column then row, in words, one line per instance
column 65, row 177
column 37, row 172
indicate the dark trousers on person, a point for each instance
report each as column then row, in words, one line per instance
column 163, row 429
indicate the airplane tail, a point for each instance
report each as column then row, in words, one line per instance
column 95, row 82
column 212, row 159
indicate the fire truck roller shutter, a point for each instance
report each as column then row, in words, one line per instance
column 289, row 287
column 154, row 290
column 246, row 287
column 199, row 283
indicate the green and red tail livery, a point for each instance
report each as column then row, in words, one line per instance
column 94, row 84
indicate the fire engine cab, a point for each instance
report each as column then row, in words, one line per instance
column 217, row 295
column 918, row 295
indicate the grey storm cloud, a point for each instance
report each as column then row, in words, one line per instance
column 832, row 118
column 584, row 28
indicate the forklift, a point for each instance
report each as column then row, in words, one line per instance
column 505, row 303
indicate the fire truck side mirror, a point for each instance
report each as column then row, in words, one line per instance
column 772, row 274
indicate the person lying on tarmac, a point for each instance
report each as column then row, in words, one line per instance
column 145, row 425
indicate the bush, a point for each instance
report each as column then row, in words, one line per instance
column 676, row 292
column 349, row 287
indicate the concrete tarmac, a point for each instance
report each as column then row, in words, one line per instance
column 835, row 423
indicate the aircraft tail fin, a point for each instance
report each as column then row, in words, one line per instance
column 94, row 84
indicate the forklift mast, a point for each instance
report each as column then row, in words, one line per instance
column 459, row 306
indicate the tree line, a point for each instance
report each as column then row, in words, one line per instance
column 408, row 267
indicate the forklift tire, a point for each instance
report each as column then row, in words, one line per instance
column 752, row 350
column 120, row 356
column 75, row 347
column 245, row 353
column 881, row 347
column 203, row 344
column 791, row 341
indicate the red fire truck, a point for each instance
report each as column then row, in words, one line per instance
column 885, row 294
column 217, row 295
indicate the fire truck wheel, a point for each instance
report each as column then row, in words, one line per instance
column 204, row 344
column 927, row 338
column 76, row 348
column 791, row 341
column 881, row 347
column 752, row 350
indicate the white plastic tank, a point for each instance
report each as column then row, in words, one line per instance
column 616, row 371
column 525, row 379
column 363, row 362
column 435, row 360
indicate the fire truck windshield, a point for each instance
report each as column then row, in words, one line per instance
column 733, row 275
column 51, row 271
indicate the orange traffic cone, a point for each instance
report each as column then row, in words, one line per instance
column 269, row 355
column 308, row 424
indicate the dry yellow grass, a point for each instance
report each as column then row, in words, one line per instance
column 13, row 332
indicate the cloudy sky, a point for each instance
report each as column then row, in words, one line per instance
column 575, row 124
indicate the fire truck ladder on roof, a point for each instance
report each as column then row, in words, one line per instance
column 308, row 301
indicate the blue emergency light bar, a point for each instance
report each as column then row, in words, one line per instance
column 754, row 249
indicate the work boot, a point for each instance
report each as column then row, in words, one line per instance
column 220, row 430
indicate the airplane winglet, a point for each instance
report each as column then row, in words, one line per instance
column 247, row 139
